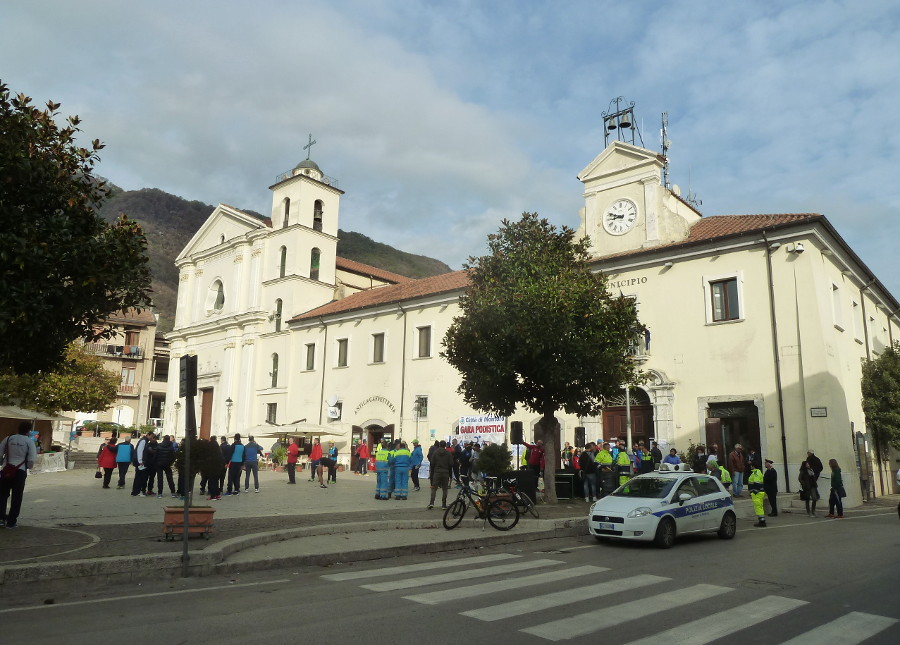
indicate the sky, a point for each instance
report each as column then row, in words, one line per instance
column 439, row 119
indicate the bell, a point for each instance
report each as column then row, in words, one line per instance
column 611, row 123
column 625, row 121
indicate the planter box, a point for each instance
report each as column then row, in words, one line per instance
column 200, row 521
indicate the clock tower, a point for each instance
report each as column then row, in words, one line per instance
column 626, row 206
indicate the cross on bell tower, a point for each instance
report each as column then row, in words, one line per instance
column 308, row 146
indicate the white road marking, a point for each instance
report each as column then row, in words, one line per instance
column 561, row 598
column 709, row 628
column 849, row 629
column 424, row 566
column 142, row 595
column 455, row 576
column 448, row 595
column 618, row 615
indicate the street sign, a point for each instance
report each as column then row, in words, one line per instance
column 187, row 376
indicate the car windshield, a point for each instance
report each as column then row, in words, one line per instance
column 652, row 487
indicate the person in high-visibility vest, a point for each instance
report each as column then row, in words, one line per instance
column 400, row 461
column 381, row 471
column 758, row 495
column 604, row 463
column 623, row 461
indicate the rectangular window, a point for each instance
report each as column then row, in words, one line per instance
column 272, row 412
column 856, row 312
column 342, row 352
column 310, row 356
column 131, row 337
column 836, row 307
column 377, row 348
column 724, row 294
column 421, row 407
column 424, row 341
column 128, row 376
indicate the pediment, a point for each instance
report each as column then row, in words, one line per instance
column 224, row 220
column 620, row 159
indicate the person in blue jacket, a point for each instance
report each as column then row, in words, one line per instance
column 400, row 460
column 235, row 465
column 124, row 451
column 415, row 462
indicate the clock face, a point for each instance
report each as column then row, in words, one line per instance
column 620, row 217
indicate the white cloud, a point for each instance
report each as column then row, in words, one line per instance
column 440, row 119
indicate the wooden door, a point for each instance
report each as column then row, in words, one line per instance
column 206, row 406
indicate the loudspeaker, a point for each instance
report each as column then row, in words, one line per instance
column 579, row 437
column 515, row 432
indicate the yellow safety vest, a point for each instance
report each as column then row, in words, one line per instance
column 603, row 457
column 382, row 455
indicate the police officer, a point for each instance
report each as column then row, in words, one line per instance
column 381, row 471
column 758, row 495
column 770, row 486
column 623, row 461
column 604, row 461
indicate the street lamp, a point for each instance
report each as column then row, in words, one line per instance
column 228, row 404
column 177, row 407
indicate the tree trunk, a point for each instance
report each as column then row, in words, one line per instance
column 547, row 430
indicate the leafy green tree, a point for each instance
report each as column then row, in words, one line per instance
column 881, row 399
column 62, row 267
column 79, row 382
column 540, row 329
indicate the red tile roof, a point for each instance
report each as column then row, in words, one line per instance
column 364, row 269
column 707, row 229
column 724, row 226
column 395, row 293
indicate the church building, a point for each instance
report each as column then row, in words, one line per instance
column 758, row 325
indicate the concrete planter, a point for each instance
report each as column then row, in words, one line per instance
column 200, row 521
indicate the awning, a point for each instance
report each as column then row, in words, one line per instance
column 15, row 412
column 273, row 430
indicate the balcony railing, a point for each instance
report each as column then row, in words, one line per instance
column 135, row 352
column 132, row 390
column 331, row 181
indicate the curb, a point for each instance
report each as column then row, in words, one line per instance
column 50, row 576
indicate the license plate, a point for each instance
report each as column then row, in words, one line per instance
column 606, row 526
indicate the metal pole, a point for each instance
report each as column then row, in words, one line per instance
column 628, row 417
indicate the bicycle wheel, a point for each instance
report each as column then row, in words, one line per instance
column 502, row 514
column 526, row 503
column 454, row 514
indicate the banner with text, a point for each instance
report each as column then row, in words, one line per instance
column 482, row 429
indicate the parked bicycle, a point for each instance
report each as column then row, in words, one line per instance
column 509, row 488
column 501, row 512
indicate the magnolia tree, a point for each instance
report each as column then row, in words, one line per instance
column 63, row 269
column 881, row 399
column 540, row 329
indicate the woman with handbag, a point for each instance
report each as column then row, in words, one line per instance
column 106, row 460
column 809, row 492
column 837, row 491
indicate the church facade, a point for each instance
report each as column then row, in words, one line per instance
column 758, row 325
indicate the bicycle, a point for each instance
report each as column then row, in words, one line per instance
column 501, row 512
column 520, row 499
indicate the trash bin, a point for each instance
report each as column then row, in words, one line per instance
column 526, row 480
column 609, row 481
column 565, row 485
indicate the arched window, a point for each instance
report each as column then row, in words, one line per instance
column 287, row 211
column 219, row 302
column 314, row 256
column 317, row 215
column 283, row 262
column 278, row 315
column 274, row 372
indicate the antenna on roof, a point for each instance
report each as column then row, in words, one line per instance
column 691, row 197
column 665, row 143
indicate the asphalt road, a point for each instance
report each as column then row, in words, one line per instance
column 795, row 582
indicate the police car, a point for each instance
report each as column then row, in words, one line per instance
column 660, row 505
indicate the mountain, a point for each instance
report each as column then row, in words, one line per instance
column 169, row 222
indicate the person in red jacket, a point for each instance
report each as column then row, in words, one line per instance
column 293, row 453
column 106, row 459
column 536, row 456
column 362, row 454
column 315, row 462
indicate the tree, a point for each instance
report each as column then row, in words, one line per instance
column 540, row 329
column 881, row 399
column 63, row 269
column 79, row 382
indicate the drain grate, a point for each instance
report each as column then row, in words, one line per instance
column 764, row 585
column 70, row 525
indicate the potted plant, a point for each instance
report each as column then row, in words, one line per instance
column 205, row 457
column 494, row 460
column 279, row 455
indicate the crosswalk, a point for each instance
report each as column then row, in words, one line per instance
column 460, row 581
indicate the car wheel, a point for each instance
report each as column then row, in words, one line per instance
column 665, row 533
column 728, row 527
